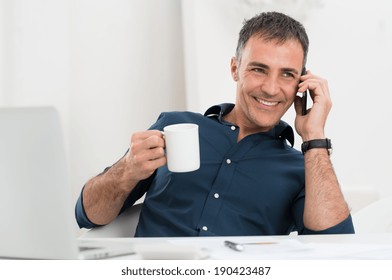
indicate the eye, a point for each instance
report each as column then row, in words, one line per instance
column 258, row 70
column 288, row 75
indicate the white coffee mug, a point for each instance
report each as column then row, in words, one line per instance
column 182, row 147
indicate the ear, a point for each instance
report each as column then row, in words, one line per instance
column 234, row 68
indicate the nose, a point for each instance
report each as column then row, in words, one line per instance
column 270, row 85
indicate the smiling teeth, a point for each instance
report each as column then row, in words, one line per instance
column 268, row 103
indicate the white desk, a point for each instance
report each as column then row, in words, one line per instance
column 287, row 259
column 309, row 247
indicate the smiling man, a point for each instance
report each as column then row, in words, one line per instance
column 267, row 75
column 251, row 180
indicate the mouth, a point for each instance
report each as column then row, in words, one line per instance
column 267, row 103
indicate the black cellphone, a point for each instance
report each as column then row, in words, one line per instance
column 304, row 96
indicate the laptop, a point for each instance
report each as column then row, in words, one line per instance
column 36, row 207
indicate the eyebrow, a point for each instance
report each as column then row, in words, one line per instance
column 265, row 66
column 293, row 70
column 258, row 64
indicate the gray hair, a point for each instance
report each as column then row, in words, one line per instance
column 272, row 26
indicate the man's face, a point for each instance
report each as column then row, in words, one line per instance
column 267, row 81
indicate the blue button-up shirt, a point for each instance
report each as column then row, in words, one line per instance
column 251, row 187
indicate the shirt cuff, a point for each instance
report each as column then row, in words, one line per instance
column 344, row 227
column 80, row 214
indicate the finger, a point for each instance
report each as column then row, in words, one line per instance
column 306, row 76
column 143, row 135
column 143, row 159
column 151, row 165
column 148, row 149
column 153, row 142
column 145, row 140
column 316, row 88
column 320, row 92
column 155, row 153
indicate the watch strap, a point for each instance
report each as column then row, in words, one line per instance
column 317, row 143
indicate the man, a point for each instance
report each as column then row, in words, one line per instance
column 251, row 181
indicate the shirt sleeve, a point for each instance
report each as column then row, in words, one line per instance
column 139, row 190
column 80, row 214
column 344, row 227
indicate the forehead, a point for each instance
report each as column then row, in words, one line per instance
column 273, row 52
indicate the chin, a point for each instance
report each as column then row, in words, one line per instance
column 266, row 121
column 266, row 125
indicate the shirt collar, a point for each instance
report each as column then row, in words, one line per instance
column 219, row 110
column 281, row 130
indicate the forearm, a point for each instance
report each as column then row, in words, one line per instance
column 104, row 195
column 324, row 202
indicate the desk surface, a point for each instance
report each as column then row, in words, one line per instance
column 321, row 247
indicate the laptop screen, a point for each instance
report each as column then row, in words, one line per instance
column 36, row 215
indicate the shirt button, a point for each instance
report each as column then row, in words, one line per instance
column 233, row 127
column 205, row 228
column 216, row 195
column 228, row 161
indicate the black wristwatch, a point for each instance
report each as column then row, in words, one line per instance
column 317, row 143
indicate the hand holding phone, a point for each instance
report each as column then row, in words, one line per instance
column 304, row 96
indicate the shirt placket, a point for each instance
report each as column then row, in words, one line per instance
column 216, row 195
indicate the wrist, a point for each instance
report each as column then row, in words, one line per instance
column 120, row 178
column 312, row 136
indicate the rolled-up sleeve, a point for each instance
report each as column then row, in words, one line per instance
column 344, row 227
column 80, row 214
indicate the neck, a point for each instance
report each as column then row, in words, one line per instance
column 245, row 129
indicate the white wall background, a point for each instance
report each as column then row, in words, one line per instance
column 110, row 67
column 350, row 43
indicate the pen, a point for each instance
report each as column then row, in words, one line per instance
column 234, row 246
column 239, row 247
